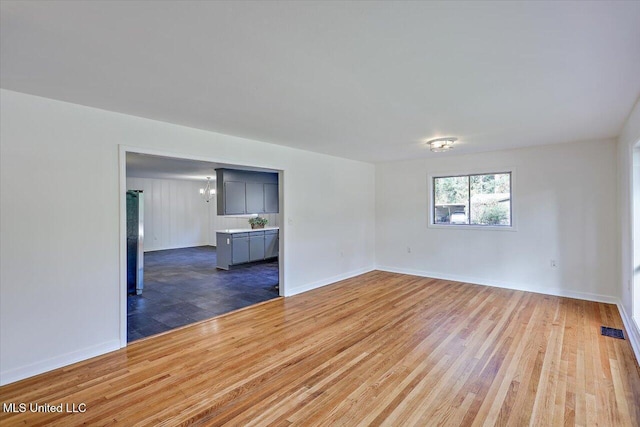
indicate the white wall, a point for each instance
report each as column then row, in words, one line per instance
column 629, row 136
column 175, row 215
column 59, row 275
column 565, row 206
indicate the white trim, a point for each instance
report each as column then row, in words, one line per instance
column 472, row 227
column 506, row 285
column 176, row 155
column 633, row 330
column 328, row 281
column 634, row 284
column 281, row 233
column 123, row 150
column 122, row 200
column 56, row 362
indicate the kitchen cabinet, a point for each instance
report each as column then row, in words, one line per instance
column 256, row 246
column 241, row 246
column 255, row 197
column 270, row 198
column 271, row 244
column 235, row 198
column 241, row 192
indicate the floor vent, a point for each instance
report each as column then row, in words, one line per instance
column 612, row 332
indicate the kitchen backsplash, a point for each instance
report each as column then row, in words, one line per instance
column 218, row 222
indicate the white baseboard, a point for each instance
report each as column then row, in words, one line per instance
column 633, row 330
column 318, row 284
column 17, row 374
column 629, row 323
column 506, row 285
column 166, row 248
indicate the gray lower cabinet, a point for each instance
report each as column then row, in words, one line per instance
column 256, row 246
column 271, row 243
column 241, row 247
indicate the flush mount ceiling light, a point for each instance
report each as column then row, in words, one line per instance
column 208, row 191
column 439, row 145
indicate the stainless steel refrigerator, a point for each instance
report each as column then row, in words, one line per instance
column 135, row 241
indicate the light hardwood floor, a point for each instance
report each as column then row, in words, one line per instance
column 378, row 349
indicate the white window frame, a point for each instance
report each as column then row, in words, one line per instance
column 485, row 171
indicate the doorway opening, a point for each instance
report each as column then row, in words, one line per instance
column 180, row 281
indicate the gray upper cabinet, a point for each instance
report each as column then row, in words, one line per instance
column 235, row 198
column 246, row 192
column 271, row 198
column 255, row 197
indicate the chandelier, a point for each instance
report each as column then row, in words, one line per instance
column 208, row 192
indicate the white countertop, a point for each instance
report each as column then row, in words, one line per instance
column 245, row 230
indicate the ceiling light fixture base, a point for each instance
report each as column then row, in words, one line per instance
column 440, row 145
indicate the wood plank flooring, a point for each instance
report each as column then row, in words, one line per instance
column 378, row 349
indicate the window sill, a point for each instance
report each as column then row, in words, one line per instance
column 473, row 227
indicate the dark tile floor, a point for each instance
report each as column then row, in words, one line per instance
column 183, row 286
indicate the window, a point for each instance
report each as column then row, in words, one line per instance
column 478, row 200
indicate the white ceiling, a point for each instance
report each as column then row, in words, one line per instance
column 362, row 80
column 141, row 165
column 149, row 166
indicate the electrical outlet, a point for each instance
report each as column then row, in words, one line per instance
column 553, row 263
column 341, row 254
column 408, row 249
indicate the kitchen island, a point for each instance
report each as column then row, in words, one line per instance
column 243, row 245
